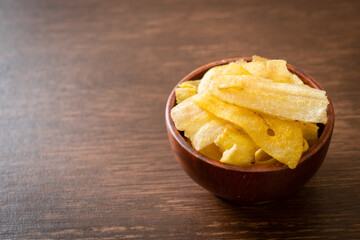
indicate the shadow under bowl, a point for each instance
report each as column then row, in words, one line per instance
column 248, row 184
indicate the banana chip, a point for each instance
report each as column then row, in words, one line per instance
column 310, row 132
column 207, row 134
column 256, row 68
column 201, row 127
column 290, row 101
column 261, row 156
column 256, row 58
column 190, row 84
column 263, row 159
column 235, row 69
column 281, row 139
column 186, row 90
column 233, row 155
column 278, row 72
column 183, row 93
column 305, row 145
column 188, row 117
column 209, row 76
column 238, row 148
column 212, row 151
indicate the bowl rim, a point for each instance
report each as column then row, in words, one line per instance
column 326, row 133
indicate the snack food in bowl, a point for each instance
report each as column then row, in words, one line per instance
column 245, row 120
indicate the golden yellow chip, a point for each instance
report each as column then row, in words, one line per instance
column 278, row 72
column 281, row 139
column 190, row 84
column 261, row 156
column 211, row 151
column 235, row 156
column 238, row 148
column 183, row 93
column 256, row 68
column 207, row 134
column 305, row 145
column 186, row 90
column 201, row 127
column 189, row 117
column 209, row 76
column 256, row 58
column 290, row 101
column 310, row 132
column 234, row 69
column 296, row 80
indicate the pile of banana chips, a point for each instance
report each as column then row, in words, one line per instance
column 250, row 113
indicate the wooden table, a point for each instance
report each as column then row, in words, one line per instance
column 84, row 148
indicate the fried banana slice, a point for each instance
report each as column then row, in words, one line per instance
column 188, row 117
column 201, row 127
column 186, row 90
column 256, row 68
column 293, row 102
column 305, row 145
column 261, row 155
column 238, row 148
column 281, row 139
column 278, row 72
column 207, row 134
column 212, row 151
column 234, row 69
column 190, row 84
column 256, row 58
column 310, row 132
column 183, row 93
column 263, row 159
column 211, row 74
column 233, row 155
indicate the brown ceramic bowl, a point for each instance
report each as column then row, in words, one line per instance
column 254, row 183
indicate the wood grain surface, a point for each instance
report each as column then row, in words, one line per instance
column 83, row 86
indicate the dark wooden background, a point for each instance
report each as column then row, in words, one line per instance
column 83, row 145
